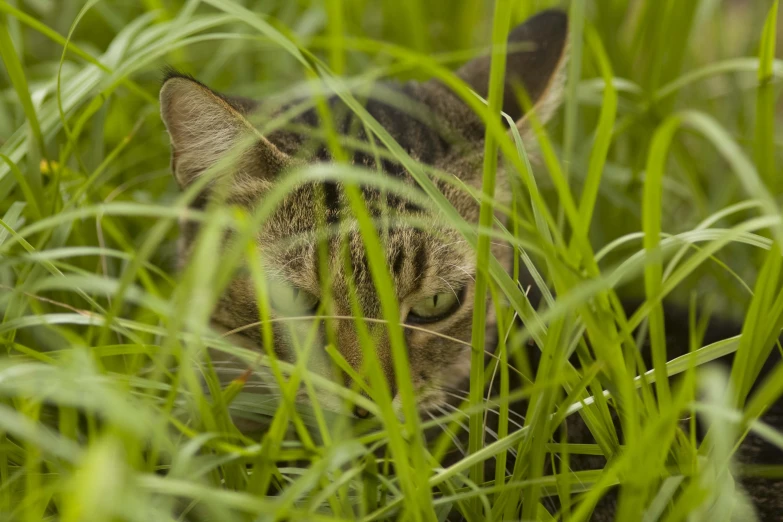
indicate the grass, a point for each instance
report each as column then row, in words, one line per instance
column 658, row 181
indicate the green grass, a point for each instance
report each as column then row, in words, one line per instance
column 658, row 180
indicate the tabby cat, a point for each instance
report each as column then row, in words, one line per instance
column 431, row 264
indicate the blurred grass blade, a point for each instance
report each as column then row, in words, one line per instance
column 16, row 73
column 497, row 72
column 653, row 274
column 603, row 133
column 765, row 104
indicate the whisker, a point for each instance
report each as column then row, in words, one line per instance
column 369, row 320
column 489, row 391
column 452, row 436
column 343, row 318
column 260, row 386
column 488, row 430
column 464, row 396
column 571, row 470
column 461, row 269
column 444, row 409
column 510, row 420
column 450, row 287
column 510, row 366
column 511, row 324
column 512, row 412
column 456, row 396
column 267, row 400
column 502, row 245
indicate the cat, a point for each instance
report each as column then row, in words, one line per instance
column 432, row 267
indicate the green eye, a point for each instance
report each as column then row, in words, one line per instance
column 290, row 300
column 435, row 307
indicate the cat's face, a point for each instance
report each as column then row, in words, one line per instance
column 313, row 254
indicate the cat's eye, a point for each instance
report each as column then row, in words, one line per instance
column 290, row 300
column 435, row 307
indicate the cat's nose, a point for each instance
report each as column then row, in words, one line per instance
column 361, row 412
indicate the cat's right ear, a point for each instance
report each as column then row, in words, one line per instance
column 208, row 130
column 535, row 63
column 535, row 66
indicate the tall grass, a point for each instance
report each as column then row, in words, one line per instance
column 659, row 182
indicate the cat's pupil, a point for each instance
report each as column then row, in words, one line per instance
column 435, row 301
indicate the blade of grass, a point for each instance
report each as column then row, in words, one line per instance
column 500, row 28
column 16, row 73
column 764, row 139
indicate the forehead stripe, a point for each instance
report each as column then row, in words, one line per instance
column 420, row 258
column 332, row 201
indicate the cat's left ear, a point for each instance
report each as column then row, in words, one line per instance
column 537, row 53
column 209, row 130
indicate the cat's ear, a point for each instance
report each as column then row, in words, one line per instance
column 208, row 129
column 537, row 52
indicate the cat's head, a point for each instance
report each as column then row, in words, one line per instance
column 430, row 263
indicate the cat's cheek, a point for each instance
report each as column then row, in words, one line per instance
column 326, row 401
column 397, row 408
column 458, row 372
column 301, row 335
